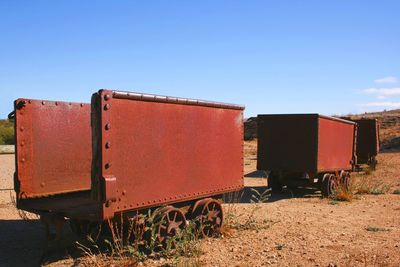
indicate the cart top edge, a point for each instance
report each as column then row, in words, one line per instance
column 46, row 101
column 306, row 115
column 168, row 99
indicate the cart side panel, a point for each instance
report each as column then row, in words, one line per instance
column 335, row 144
column 53, row 148
column 367, row 139
column 155, row 152
column 287, row 142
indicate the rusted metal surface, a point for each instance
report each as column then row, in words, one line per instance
column 72, row 205
column 287, row 142
column 304, row 143
column 336, row 141
column 367, row 140
column 157, row 151
column 53, row 148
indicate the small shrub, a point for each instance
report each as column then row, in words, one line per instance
column 240, row 222
column 376, row 229
column 373, row 187
column 396, row 192
column 250, row 223
column 342, row 194
column 280, row 246
column 262, row 197
column 230, row 212
column 380, row 189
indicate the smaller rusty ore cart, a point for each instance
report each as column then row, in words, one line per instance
column 127, row 153
column 306, row 149
column 367, row 141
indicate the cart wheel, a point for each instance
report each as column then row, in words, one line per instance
column 208, row 216
column 168, row 222
column 329, row 184
column 274, row 183
column 345, row 180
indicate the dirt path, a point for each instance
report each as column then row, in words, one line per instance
column 304, row 230
column 6, row 177
column 312, row 232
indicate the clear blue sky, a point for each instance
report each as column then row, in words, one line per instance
column 330, row 57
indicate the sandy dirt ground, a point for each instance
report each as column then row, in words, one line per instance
column 296, row 228
column 6, row 177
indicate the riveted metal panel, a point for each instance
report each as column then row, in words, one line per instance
column 367, row 140
column 287, row 142
column 161, row 150
column 53, row 147
column 336, row 143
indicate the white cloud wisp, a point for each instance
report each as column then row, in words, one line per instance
column 383, row 91
column 388, row 79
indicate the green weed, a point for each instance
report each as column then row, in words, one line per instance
column 376, row 229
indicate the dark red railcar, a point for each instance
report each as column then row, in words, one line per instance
column 311, row 148
column 53, row 148
column 132, row 152
column 367, row 141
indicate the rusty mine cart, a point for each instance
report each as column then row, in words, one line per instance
column 367, row 141
column 127, row 153
column 306, row 149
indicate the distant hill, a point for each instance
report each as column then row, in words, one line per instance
column 389, row 127
column 250, row 128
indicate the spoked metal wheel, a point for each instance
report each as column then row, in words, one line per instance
column 169, row 220
column 329, row 184
column 345, row 180
column 208, row 216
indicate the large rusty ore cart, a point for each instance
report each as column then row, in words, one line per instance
column 367, row 141
column 306, row 149
column 130, row 153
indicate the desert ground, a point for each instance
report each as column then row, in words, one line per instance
column 296, row 228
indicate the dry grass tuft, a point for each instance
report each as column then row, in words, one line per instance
column 244, row 222
column 372, row 187
column 376, row 229
column 129, row 242
column 379, row 181
column 260, row 197
column 342, row 194
column 235, row 221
